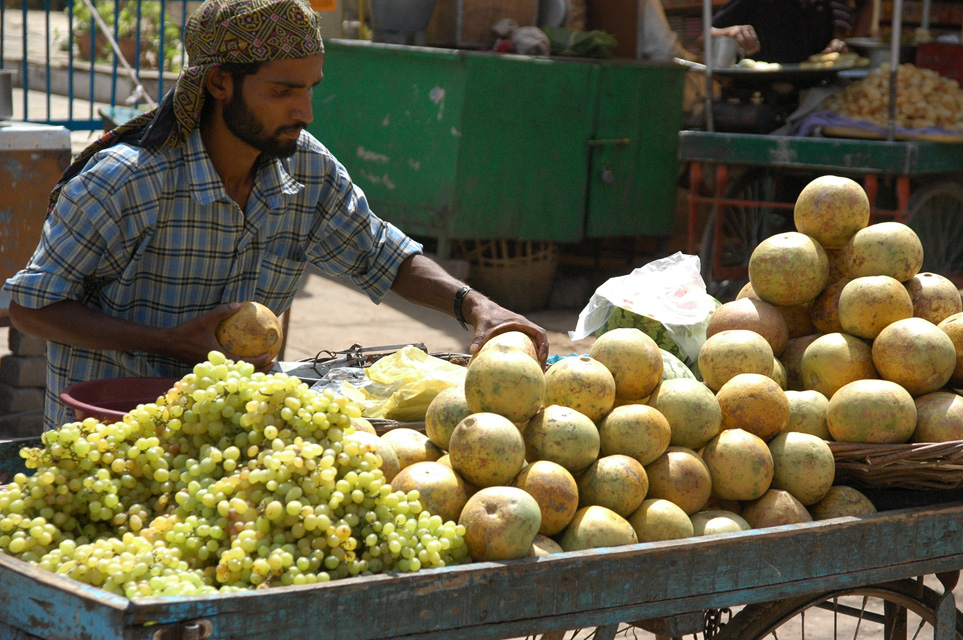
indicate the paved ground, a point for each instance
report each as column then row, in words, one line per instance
column 327, row 314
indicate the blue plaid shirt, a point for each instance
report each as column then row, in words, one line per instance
column 151, row 236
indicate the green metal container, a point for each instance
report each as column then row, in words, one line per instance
column 475, row 145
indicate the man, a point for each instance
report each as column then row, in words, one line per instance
column 159, row 230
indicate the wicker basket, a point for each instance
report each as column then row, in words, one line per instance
column 383, row 425
column 922, row 466
column 515, row 274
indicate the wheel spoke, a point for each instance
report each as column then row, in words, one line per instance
column 919, row 629
column 852, row 611
column 741, row 227
column 835, row 619
column 943, row 254
column 907, row 611
column 859, row 618
column 935, row 212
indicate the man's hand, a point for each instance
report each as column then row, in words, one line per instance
column 743, row 34
column 422, row 281
column 193, row 339
column 836, row 45
column 70, row 322
column 490, row 319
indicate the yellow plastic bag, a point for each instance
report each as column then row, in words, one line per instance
column 403, row 384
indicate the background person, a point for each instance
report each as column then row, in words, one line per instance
column 661, row 43
column 788, row 31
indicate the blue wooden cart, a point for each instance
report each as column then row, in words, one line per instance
column 863, row 570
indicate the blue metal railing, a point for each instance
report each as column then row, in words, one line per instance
column 66, row 81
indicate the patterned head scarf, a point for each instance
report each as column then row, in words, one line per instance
column 237, row 31
column 218, row 32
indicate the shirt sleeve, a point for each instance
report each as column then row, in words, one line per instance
column 352, row 241
column 75, row 244
column 659, row 41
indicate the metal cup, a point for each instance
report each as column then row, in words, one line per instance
column 724, row 52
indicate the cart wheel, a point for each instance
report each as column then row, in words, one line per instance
column 604, row 632
column 743, row 227
column 935, row 212
column 859, row 612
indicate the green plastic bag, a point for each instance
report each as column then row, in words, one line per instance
column 581, row 44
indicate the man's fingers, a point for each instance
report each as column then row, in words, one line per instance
column 225, row 310
column 476, row 344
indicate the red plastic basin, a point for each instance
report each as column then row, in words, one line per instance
column 110, row 398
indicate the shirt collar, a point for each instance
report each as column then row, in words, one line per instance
column 276, row 183
column 273, row 179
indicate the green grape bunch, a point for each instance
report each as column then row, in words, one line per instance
column 234, row 479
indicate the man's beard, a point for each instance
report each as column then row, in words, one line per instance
column 244, row 124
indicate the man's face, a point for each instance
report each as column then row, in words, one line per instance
column 271, row 107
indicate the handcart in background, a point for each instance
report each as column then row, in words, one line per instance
column 742, row 186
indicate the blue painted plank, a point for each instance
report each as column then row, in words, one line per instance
column 9, row 633
column 10, row 460
column 50, row 606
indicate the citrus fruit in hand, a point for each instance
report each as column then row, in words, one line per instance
column 250, row 331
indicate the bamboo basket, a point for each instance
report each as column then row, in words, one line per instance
column 516, row 274
column 921, row 466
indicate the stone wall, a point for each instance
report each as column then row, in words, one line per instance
column 22, row 384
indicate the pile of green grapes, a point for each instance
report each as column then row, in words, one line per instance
column 233, row 480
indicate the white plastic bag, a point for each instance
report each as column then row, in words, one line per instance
column 666, row 299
